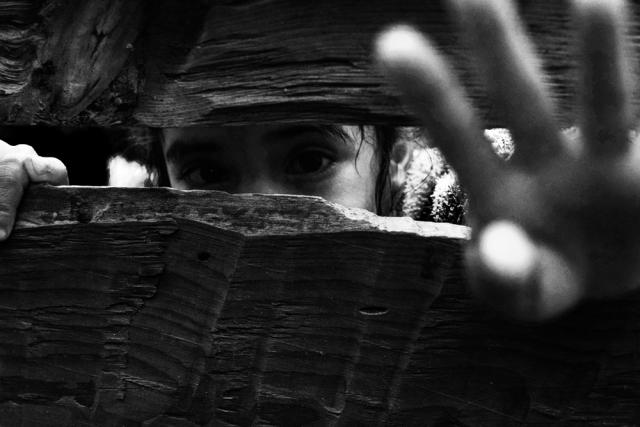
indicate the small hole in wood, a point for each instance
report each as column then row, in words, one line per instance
column 374, row 311
column 204, row 255
column 83, row 216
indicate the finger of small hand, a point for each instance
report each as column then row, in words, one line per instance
column 20, row 165
column 46, row 170
column 429, row 87
column 606, row 76
column 4, row 148
column 511, row 72
column 526, row 280
column 13, row 180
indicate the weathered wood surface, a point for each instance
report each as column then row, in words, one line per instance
column 204, row 62
column 158, row 307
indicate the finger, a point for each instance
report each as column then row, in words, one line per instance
column 39, row 169
column 606, row 77
column 511, row 72
column 430, row 89
column 13, row 180
column 18, row 166
column 4, row 148
column 528, row 281
column 46, row 170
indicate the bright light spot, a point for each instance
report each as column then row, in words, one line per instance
column 505, row 249
column 399, row 43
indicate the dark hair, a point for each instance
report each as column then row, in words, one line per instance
column 386, row 137
column 144, row 145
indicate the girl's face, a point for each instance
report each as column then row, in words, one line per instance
column 333, row 162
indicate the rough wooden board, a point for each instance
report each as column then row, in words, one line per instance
column 68, row 61
column 160, row 63
column 141, row 303
column 162, row 307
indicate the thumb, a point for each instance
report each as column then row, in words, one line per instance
column 527, row 280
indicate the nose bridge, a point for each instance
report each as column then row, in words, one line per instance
column 261, row 183
column 257, row 174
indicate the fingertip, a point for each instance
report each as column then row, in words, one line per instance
column 398, row 43
column 405, row 53
column 474, row 5
column 612, row 8
column 470, row 11
column 597, row 16
column 60, row 175
column 47, row 169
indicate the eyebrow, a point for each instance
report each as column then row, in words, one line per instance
column 181, row 148
column 289, row 132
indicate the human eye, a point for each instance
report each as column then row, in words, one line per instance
column 309, row 161
column 205, row 175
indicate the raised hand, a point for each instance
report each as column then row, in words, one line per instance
column 20, row 165
column 559, row 222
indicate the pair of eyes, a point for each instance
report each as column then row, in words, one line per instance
column 305, row 164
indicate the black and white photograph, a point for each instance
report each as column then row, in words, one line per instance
column 333, row 213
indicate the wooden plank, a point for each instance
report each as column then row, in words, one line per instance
column 161, row 63
column 162, row 307
column 68, row 62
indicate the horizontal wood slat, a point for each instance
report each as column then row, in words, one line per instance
column 170, row 63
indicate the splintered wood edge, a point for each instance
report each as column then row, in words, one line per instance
column 247, row 214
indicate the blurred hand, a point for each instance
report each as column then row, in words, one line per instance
column 20, row 165
column 559, row 222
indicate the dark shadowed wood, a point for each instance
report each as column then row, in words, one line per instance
column 68, row 61
column 171, row 63
column 162, row 307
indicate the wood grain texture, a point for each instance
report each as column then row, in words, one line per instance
column 160, row 63
column 159, row 307
column 68, row 61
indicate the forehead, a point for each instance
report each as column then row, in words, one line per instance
column 240, row 134
column 171, row 135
